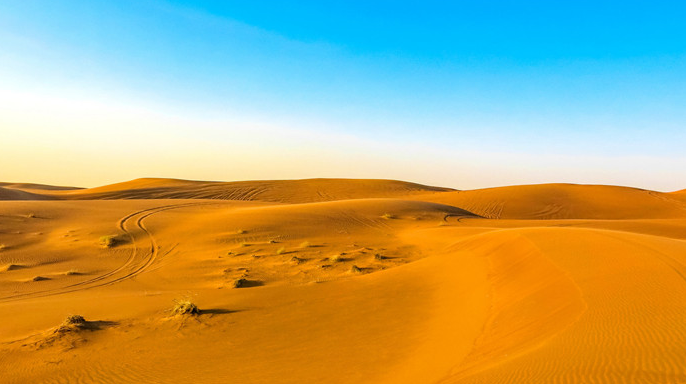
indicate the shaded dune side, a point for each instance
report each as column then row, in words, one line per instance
column 15, row 194
column 37, row 187
column 284, row 191
column 565, row 201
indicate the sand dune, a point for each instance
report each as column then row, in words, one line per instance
column 342, row 281
column 565, row 201
column 286, row 191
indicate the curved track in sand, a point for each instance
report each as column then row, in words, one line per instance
column 138, row 261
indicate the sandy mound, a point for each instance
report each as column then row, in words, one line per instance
column 285, row 191
column 565, row 201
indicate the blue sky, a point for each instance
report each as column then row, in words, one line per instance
column 464, row 94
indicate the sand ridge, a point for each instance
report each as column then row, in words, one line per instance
column 342, row 281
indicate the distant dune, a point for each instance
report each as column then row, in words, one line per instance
column 287, row 191
column 341, row 281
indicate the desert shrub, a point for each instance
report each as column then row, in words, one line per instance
column 240, row 282
column 185, row 307
column 74, row 319
column 108, row 241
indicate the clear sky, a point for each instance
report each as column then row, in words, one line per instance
column 464, row 94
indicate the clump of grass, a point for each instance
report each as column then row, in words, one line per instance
column 74, row 320
column 108, row 241
column 185, row 307
column 305, row 244
column 72, row 323
column 388, row 216
column 281, row 250
column 336, row 258
column 241, row 282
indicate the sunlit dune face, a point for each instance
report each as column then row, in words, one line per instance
column 161, row 280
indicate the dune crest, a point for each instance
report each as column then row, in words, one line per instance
column 341, row 281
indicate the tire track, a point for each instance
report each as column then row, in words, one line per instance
column 135, row 264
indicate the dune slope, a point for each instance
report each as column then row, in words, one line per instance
column 342, row 282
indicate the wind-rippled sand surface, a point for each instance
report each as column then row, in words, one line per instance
column 342, row 281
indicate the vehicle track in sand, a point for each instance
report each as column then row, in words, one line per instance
column 138, row 261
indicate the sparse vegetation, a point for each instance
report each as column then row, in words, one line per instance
column 74, row 319
column 241, row 282
column 281, row 250
column 184, row 307
column 109, row 241
column 72, row 323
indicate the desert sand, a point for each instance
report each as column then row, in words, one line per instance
column 341, row 281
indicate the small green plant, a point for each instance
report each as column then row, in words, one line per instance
column 281, row 251
column 108, row 241
column 185, row 307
